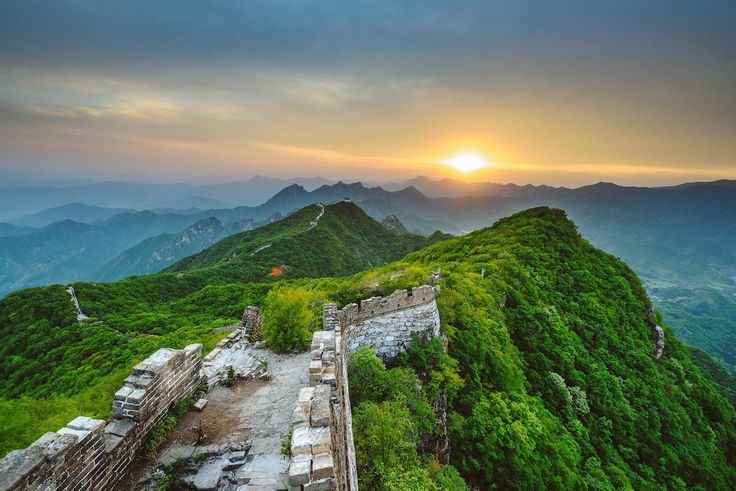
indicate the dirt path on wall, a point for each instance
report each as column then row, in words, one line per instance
column 254, row 412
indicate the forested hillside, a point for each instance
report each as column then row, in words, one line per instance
column 65, row 367
column 556, row 381
column 319, row 240
column 560, row 384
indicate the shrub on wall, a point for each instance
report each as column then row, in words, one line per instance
column 288, row 319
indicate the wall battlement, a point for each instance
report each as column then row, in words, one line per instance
column 90, row 454
column 386, row 324
column 378, row 306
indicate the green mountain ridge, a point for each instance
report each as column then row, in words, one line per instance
column 155, row 253
column 344, row 240
column 562, row 387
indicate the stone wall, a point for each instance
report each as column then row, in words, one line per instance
column 90, row 454
column 252, row 323
column 323, row 409
column 386, row 324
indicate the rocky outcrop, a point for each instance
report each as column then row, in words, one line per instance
column 80, row 316
column 393, row 224
column 659, row 344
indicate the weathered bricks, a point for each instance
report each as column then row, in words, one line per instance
column 88, row 454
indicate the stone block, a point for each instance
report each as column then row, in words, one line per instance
column 320, row 410
column 321, row 440
column 237, row 455
column 208, row 477
column 84, row 423
column 112, row 442
column 80, row 434
column 329, row 379
column 46, row 439
column 301, row 442
column 300, row 415
column 136, row 396
column 315, row 366
column 299, row 470
column 327, row 484
column 120, row 427
column 123, row 392
column 200, row 404
column 322, row 466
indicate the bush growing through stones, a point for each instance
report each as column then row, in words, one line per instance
column 288, row 319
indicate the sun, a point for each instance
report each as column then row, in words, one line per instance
column 466, row 162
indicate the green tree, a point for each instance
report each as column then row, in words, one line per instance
column 288, row 319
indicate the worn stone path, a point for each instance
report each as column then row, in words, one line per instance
column 253, row 415
column 265, row 417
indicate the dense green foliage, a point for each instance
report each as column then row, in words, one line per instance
column 394, row 421
column 555, row 344
column 724, row 382
column 289, row 319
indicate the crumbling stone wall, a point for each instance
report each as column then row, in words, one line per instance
column 252, row 323
column 382, row 323
column 90, row 454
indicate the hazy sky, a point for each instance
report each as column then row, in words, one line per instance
column 562, row 92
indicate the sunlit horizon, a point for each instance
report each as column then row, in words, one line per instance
column 345, row 93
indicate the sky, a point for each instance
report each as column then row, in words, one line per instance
column 558, row 92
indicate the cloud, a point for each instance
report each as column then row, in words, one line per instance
column 333, row 156
column 625, row 82
column 60, row 111
column 159, row 111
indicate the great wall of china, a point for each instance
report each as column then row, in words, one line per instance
column 91, row 454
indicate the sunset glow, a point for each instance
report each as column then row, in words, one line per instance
column 466, row 162
column 276, row 91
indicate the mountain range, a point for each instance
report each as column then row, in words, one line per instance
column 678, row 238
column 17, row 201
column 554, row 373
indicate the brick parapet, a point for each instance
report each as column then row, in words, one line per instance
column 90, row 454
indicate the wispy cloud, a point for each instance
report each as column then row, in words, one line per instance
column 327, row 155
column 60, row 111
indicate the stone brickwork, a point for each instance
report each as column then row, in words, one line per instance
column 382, row 323
column 89, row 454
column 252, row 323
column 386, row 324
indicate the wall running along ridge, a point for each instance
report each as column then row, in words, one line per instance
column 322, row 446
column 90, row 454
